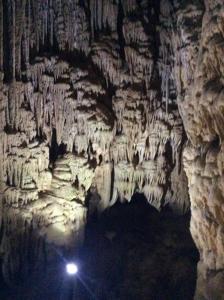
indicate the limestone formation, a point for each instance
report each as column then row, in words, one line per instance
column 118, row 97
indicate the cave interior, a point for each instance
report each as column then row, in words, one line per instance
column 111, row 141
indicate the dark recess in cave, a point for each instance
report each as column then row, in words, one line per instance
column 130, row 252
column 120, row 30
column 134, row 252
column 55, row 149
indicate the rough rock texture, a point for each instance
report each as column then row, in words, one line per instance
column 93, row 97
column 200, row 97
column 202, row 111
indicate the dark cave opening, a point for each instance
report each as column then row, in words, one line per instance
column 134, row 252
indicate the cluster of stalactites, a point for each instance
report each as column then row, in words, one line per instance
column 124, row 53
column 147, row 178
column 140, row 151
column 62, row 98
column 33, row 25
column 106, row 57
column 103, row 14
column 56, row 96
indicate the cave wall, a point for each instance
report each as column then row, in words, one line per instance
column 97, row 96
column 202, row 111
column 198, row 46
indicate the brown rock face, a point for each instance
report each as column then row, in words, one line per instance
column 97, row 95
column 203, row 120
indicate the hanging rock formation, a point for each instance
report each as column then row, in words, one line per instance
column 97, row 95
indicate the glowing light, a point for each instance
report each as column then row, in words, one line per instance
column 71, row 268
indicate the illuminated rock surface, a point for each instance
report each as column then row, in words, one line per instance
column 111, row 97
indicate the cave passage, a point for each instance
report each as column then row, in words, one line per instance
column 134, row 252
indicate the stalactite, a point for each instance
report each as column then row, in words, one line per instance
column 103, row 14
column 26, row 38
column 51, row 22
column 12, row 37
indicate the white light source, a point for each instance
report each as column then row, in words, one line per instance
column 71, row 268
